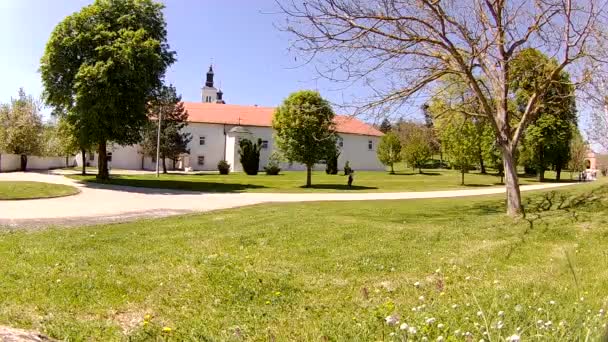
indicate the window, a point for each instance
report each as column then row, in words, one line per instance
column 109, row 157
column 201, row 160
column 370, row 145
column 91, row 156
column 207, row 98
column 340, row 142
column 201, row 141
column 264, row 144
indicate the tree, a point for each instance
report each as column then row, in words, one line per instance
column 400, row 48
column 389, row 150
column 174, row 118
column 21, row 126
column 416, row 144
column 304, row 129
column 578, row 154
column 546, row 141
column 385, row 126
column 101, row 66
column 461, row 141
column 249, row 153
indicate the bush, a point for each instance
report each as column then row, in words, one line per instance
column 250, row 156
column 604, row 171
column 347, row 168
column 332, row 164
column 223, row 167
column 273, row 169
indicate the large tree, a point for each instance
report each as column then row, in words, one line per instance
column 305, row 130
column 21, row 127
column 461, row 140
column 101, row 66
column 389, row 150
column 399, row 48
column 416, row 144
column 166, row 104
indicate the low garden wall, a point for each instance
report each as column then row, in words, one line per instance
column 12, row 162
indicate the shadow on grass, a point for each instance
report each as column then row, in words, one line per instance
column 166, row 187
column 474, row 185
column 415, row 173
column 338, row 187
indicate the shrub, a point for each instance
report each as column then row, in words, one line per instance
column 604, row 171
column 250, row 156
column 347, row 168
column 332, row 163
column 224, row 167
column 272, row 168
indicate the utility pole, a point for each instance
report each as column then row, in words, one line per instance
column 160, row 120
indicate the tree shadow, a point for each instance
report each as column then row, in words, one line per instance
column 415, row 173
column 338, row 187
column 474, row 185
column 166, row 187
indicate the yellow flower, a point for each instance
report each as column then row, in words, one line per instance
column 267, row 302
column 147, row 317
column 442, row 293
column 278, row 293
column 146, row 322
column 166, row 330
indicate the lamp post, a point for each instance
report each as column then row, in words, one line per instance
column 160, row 119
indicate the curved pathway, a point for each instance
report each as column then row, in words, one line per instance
column 98, row 203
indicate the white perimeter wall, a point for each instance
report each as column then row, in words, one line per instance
column 12, row 162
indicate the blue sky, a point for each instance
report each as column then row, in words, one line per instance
column 250, row 56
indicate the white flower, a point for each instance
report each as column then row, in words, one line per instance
column 552, row 302
column 421, row 298
column 601, row 312
column 424, row 338
column 414, row 309
column 467, row 334
column 391, row 320
column 513, row 338
column 479, row 313
column 430, row 321
column 403, row 326
column 438, row 270
column 495, row 282
column 457, row 332
column 440, row 326
column 482, row 340
column 392, row 334
column 417, row 284
column 454, row 306
column 440, row 339
column 499, row 325
column 467, row 278
column 548, row 323
column 501, row 313
column 539, row 309
column 539, row 322
column 518, row 308
column 582, row 299
column 412, row 330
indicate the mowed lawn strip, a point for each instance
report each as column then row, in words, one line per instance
column 293, row 181
column 319, row 271
column 20, row 190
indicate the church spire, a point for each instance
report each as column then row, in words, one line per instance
column 209, row 82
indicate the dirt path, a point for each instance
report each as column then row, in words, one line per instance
column 98, row 203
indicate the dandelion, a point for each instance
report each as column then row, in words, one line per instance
column 403, row 326
column 278, row 293
column 438, row 270
column 147, row 317
column 412, row 330
column 267, row 302
column 391, row 320
column 513, row 338
column 166, row 330
column 430, row 321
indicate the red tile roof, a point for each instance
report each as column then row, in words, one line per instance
column 262, row 116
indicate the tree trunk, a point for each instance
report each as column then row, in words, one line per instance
column 514, row 207
column 482, row 167
column 558, row 173
column 392, row 169
column 462, row 176
column 84, row 161
column 164, row 165
column 308, row 176
column 174, row 160
column 420, row 169
column 23, row 162
column 541, row 174
column 102, row 163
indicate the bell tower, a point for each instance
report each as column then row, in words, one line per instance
column 209, row 93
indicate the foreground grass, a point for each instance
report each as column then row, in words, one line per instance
column 292, row 181
column 18, row 190
column 319, row 271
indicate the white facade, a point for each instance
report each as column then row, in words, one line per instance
column 212, row 143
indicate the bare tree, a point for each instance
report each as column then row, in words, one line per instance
column 400, row 47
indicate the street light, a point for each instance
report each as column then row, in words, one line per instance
column 160, row 119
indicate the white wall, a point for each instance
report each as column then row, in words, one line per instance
column 12, row 162
column 214, row 148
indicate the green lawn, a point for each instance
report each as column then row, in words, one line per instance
column 320, row 271
column 292, row 181
column 19, row 190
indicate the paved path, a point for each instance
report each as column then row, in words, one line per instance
column 104, row 203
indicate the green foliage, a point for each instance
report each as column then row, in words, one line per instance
column 21, row 129
column 389, row 150
column 273, row 167
column 385, row 126
column 174, row 118
column 347, row 168
column 304, row 129
column 460, row 140
column 332, row 162
column 101, row 66
column 416, row 144
column 249, row 153
column 223, row 167
column 578, row 153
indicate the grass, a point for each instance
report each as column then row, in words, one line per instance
column 320, row 271
column 292, row 181
column 20, row 190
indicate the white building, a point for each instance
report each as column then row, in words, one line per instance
column 216, row 128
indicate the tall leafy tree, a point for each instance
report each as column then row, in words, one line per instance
column 461, row 141
column 167, row 104
column 304, row 129
column 578, row 153
column 101, row 66
column 547, row 140
column 389, row 150
column 21, row 127
column 416, row 144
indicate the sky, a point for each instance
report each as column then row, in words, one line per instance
column 250, row 55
